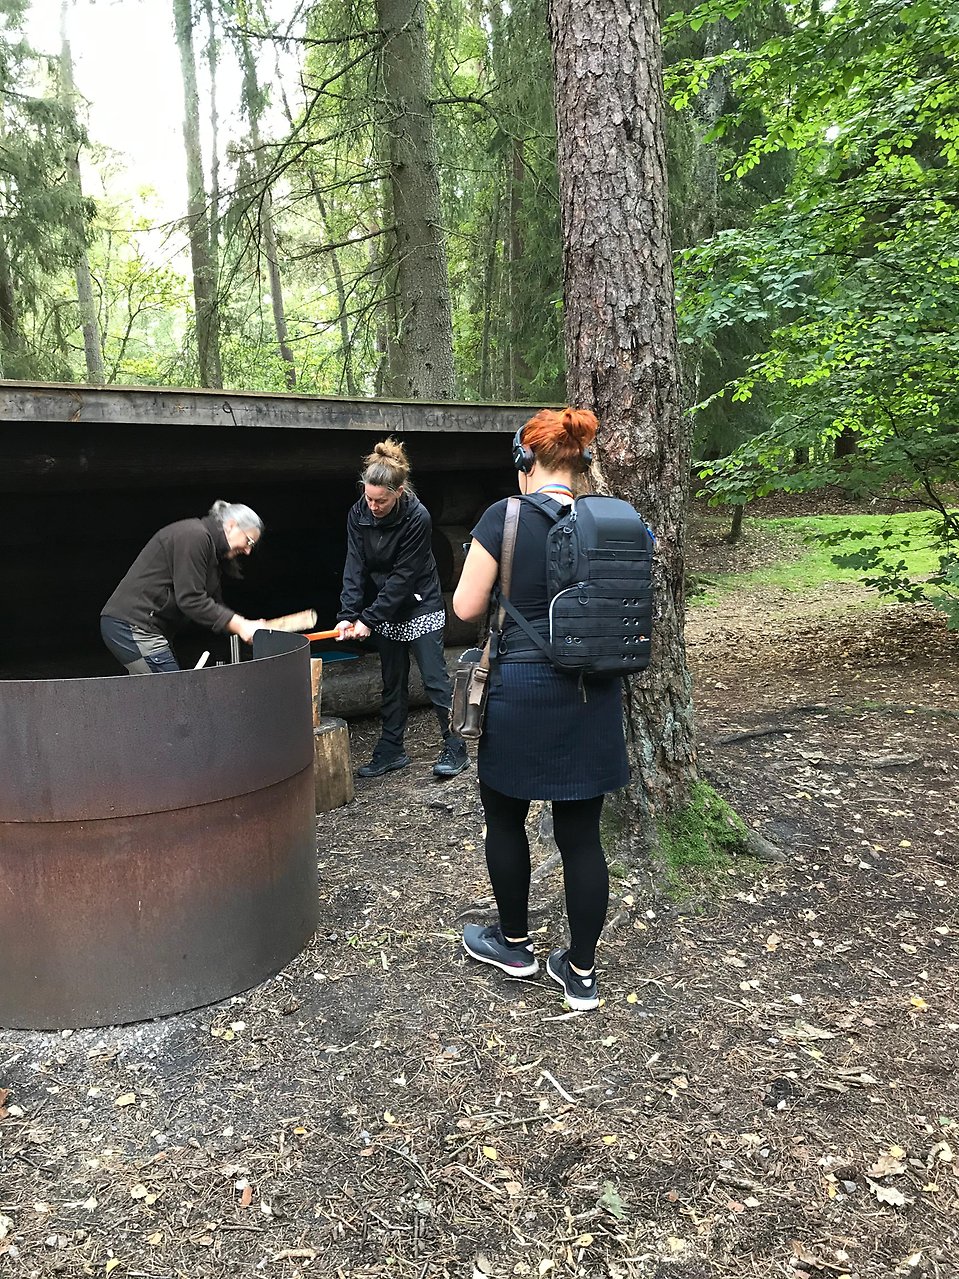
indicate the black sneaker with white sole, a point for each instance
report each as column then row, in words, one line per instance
column 489, row 947
column 582, row 993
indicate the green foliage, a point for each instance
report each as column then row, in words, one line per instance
column 326, row 173
column 910, row 557
column 703, row 206
column 44, row 222
column 853, row 274
column 702, row 844
column 887, row 562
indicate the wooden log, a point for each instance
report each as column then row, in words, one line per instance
column 351, row 689
column 304, row 620
column 316, row 685
column 332, row 764
column 448, row 543
column 178, row 406
column 461, row 498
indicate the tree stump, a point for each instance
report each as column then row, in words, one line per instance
column 316, row 684
column 332, row 764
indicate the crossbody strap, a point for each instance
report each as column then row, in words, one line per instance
column 523, row 624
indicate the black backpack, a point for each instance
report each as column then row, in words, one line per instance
column 599, row 556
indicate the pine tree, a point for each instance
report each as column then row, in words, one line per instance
column 89, row 321
column 421, row 340
column 198, row 222
column 621, row 344
column 253, row 104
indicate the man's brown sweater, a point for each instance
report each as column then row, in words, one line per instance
column 175, row 579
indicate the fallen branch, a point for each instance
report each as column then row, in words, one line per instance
column 544, row 1074
column 473, row 1177
column 768, row 731
column 762, row 849
column 482, row 908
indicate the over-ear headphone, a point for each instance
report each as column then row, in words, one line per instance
column 524, row 459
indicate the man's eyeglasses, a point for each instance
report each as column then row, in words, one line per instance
column 250, row 541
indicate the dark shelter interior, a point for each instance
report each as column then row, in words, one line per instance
column 89, row 474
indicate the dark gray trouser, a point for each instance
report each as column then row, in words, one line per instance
column 395, row 664
column 141, row 652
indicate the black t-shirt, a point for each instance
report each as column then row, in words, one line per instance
column 528, row 586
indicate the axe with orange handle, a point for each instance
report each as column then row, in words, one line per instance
column 301, row 622
column 324, row 635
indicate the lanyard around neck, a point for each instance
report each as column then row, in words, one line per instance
column 562, row 489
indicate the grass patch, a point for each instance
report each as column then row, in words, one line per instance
column 804, row 561
column 703, row 845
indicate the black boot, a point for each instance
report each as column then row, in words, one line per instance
column 385, row 760
column 453, row 758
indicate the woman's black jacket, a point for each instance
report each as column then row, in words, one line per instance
column 390, row 574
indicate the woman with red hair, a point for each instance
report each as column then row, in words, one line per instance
column 547, row 735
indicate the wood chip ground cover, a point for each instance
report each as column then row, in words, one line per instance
column 769, row 1088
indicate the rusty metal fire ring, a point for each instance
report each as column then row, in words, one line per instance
column 157, row 838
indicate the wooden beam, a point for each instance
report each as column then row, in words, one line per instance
column 47, row 402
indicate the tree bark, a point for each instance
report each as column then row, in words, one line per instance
column 206, row 304
column 736, row 528
column 213, row 61
column 621, row 345
column 519, row 373
column 489, row 275
column 346, row 341
column 9, row 318
column 89, row 321
column 421, row 350
column 253, row 101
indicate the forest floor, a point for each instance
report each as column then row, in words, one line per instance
column 768, row 1089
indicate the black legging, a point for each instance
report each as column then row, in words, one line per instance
column 576, row 828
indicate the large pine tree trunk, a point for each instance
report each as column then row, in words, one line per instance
column 213, row 62
column 488, row 300
column 621, row 345
column 89, row 320
column 9, row 319
column 346, row 342
column 421, row 347
column 205, row 300
column 519, row 372
column 253, row 100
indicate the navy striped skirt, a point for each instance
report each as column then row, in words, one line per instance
column 542, row 741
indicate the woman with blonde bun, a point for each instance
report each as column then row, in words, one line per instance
column 547, row 735
column 391, row 590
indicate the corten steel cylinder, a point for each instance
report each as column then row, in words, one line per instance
column 157, row 837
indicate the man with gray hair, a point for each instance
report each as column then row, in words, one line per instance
column 175, row 580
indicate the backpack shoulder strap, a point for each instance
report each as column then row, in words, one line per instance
column 510, row 529
column 503, row 604
column 553, row 510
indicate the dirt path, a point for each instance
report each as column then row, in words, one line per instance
column 769, row 1088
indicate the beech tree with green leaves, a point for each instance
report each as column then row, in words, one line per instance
column 854, row 270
